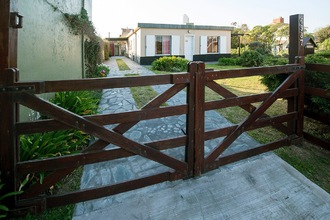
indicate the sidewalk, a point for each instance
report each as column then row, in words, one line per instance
column 262, row 187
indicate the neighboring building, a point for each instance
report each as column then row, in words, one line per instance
column 47, row 50
column 194, row 42
column 278, row 20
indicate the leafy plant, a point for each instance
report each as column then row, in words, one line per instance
column 252, row 58
column 4, row 209
column 79, row 102
column 170, row 64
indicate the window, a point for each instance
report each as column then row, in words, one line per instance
column 212, row 44
column 163, row 45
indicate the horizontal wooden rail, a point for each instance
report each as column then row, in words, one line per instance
column 102, row 119
column 244, row 100
column 318, row 67
column 317, row 92
column 224, row 74
column 104, row 83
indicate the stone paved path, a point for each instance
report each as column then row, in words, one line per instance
column 119, row 100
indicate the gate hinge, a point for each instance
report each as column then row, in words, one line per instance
column 16, row 20
column 13, row 89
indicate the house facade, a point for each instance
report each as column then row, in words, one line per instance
column 149, row 42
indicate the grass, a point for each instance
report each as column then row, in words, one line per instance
column 122, row 65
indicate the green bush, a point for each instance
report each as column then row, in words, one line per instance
column 229, row 61
column 262, row 48
column 170, row 64
column 316, row 59
column 252, row 58
column 273, row 61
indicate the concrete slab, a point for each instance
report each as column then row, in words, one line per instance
column 262, row 187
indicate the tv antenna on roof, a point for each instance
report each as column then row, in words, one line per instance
column 185, row 19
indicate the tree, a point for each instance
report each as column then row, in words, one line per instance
column 322, row 34
column 243, row 29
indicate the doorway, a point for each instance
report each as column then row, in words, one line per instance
column 189, row 47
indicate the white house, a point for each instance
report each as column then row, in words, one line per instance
column 194, row 42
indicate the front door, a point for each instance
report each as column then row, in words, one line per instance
column 189, row 47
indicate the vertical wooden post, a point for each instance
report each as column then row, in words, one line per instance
column 190, row 120
column 296, row 40
column 296, row 55
column 8, row 75
column 199, row 119
column 196, row 120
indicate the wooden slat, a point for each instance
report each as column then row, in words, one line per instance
column 199, row 119
column 103, row 119
column 318, row 67
column 94, row 193
column 248, row 153
column 315, row 140
column 97, row 83
column 245, row 100
column 316, row 116
column 317, row 92
column 224, row 74
column 57, row 163
column 252, row 118
column 264, row 122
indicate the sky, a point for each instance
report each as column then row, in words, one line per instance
column 111, row 16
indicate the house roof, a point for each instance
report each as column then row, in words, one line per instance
column 190, row 26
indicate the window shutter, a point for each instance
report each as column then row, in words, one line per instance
column 175, row 47
column 223, row 44
column 150, row 45
column 203, row 45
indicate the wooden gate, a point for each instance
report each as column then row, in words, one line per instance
column 14, row 93
column 195, row 162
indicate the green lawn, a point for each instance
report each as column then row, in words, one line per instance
column 122, row 65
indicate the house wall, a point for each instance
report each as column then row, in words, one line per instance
column 199, row 53
column 46, row 48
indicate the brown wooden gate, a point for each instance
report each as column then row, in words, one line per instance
column 195, row 163
column 14, row 93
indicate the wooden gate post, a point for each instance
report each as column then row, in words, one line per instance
column 196, row 118
column 296, row 55
column 8, row 114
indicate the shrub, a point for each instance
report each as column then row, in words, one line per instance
column 232, row 61
column 273, row 61
column 170, row 64
column 262, row 48
column 251, row 58
column 316, row 59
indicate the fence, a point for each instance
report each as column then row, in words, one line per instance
column 311, row 90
